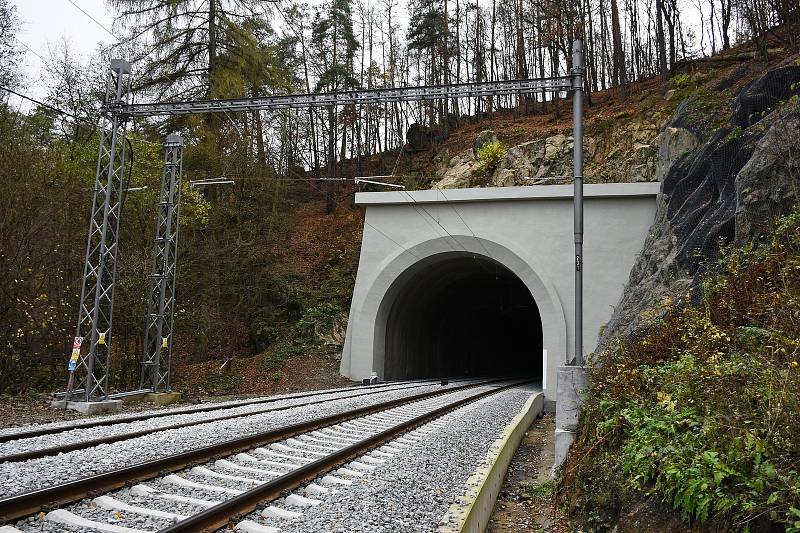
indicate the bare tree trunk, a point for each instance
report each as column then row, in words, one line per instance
column 329, row 200
column 619, row 76
column 660, row 44
column 725, row 14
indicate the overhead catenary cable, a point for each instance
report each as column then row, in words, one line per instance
column 64, row 113
column 339, row 203
column 464, row 221
column 414, row 205
column 47, row 106
column 31, row 50
column 94, row 20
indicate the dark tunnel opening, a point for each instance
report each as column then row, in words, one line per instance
column 463, row 316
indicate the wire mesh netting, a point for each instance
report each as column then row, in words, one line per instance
column 700, row 188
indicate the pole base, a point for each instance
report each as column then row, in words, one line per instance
column 163, row 398
column 572, row 382
column 90, row 408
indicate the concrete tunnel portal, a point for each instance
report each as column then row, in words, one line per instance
column 480, row 281
column 460, row 314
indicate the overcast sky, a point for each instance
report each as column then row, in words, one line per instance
column 45, row 22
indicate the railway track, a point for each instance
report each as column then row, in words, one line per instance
column 58, row 427
column 61, row 439
column 220, row 482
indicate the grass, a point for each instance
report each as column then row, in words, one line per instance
column 700, row 412
column 221, row 382
column 542, row 491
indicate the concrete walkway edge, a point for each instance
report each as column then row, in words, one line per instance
column 483, row 487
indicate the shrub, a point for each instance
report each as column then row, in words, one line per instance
column 317, row 320
column 490, row 155
column 681, row 81
column 701, row 411
column 273, row 359
column 221, row 382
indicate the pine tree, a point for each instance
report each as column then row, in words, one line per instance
column 333, row 38
column 187, row 48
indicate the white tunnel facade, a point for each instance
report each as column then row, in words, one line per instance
column 480, row 282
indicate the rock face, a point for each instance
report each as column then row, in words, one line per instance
column 769, row 183
column 728, row 189
column 538, row 159
column 457, row 172
column 482, row 139
column 421, row 137
column 627, row 153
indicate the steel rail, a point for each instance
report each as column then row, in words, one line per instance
column 28, row 503
column 367, row 96
column 200, row 409
column 221, row 515
column 109, row 439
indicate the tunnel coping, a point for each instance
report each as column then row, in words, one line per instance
column 504, row 194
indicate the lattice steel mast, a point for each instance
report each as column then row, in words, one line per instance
column 157, row 355
column 93, row 333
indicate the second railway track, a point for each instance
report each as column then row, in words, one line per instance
column 34, row 444
column 273, row 461
column 10, row 434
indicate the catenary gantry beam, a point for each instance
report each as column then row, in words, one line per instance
column 94, row 323
column 371, row 96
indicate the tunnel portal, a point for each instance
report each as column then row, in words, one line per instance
column 463, row 316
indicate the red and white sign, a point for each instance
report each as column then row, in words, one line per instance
column 77, row 343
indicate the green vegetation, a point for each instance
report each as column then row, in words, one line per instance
column 734, row 134
column 705, row 110
column 221, row 382
column 490, row 155
column 273, row 360
column 701, row 412
column 681, row 81
column 542, row 491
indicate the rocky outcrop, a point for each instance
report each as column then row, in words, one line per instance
column 482, row 139
column 728, row 189
column 421, row 137
column 457, row 171
column 628, row 152
column 769, row 183
column 620, row 148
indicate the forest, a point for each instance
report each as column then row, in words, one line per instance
column 267, row 264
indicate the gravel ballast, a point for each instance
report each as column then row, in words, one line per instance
column 80, row 435
column 88, row 509
column 19, row 477
column 413, row 490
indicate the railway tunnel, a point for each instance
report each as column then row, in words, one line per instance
column 462, row 315
column 480, row 281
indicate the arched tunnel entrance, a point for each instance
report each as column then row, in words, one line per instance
column 463, row 315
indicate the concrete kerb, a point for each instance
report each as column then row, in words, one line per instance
column 483, row 486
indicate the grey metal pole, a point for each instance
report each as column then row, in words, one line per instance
column 577, row 125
